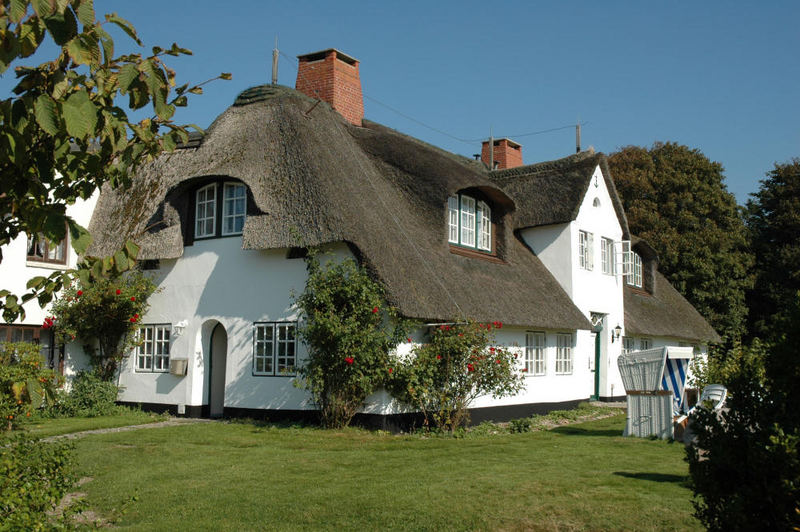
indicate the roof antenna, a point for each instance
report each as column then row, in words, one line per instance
column 578, row 137
column 275, row 63
column 491, row 149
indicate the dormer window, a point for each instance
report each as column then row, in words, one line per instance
column 634, row 277
column 469, row 223
column 220, row 214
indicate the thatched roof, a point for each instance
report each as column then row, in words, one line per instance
column 665, row 312
column 551, row 192
column 313, row 179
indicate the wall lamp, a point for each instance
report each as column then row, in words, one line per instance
column 616, row 334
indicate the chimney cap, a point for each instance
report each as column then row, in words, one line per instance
column 498, row 140
column 322, row 54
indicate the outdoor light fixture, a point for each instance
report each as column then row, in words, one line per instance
column 179, row 327
column 617, row 333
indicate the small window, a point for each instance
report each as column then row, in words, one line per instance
column 220, row 209
column 596, row 202
column 563, row 354
column 634, row 278
column 274, row 348
column 152, row 354
column 628, row 345
column 233, row 209
column 469, row 223
column 40, row 250
column 535, row 353
column 645, row 343
column 607, row 256
column 585, row 250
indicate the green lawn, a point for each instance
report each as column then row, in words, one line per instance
column 239, row 476
column 45, row 427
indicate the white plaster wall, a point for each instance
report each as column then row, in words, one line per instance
column 216, row 281
column 553, row 245
column 16, row 270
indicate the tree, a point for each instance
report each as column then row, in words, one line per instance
column 676, row 199
column 349, row 330
column 62, row 132
column 773, row 217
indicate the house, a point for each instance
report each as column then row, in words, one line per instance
column 543, row 248
column 29, row 256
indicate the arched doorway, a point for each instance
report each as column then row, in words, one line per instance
column 217, row 358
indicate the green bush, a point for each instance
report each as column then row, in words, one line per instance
column 34, row 477
column 90, row 396
column 443, row 377
column 25, row 384
column 524, row 424
column 349, row 330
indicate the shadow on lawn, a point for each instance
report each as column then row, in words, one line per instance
column 577, row 431
column 655, row 477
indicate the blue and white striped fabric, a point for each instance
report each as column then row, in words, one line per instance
column 674, row 380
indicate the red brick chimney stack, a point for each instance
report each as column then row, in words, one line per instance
column 332, row 76
column 507, row 153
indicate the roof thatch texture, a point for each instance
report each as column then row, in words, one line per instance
column 313, row 178
column 664, row 313
column 551, row 192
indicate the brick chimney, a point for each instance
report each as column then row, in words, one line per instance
column 332, row 76
column 507, row 153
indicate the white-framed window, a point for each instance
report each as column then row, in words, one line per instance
column 607, row 256
column 274, row 348
column 469, row 223
column 586, row 250
column 152, row 353
column 635, row 274
column 535, row 353
column 41, row 250
column 452, row 216
column 205, row 217
column 234, row 202
column 563, row 354
column 628, row 345
column 485, row 228
column 645, row 343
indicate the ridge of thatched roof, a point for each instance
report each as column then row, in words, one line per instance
column 313, row 179
column 665, row 312
column 551, row 192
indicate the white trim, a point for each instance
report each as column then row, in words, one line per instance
column 275, row 348
column 152, row 353
column 236, row 203
column 563, row 353
column 536, row 353
column 467, row 221
column 205, row 211
column 452, row 220
column 484, row 227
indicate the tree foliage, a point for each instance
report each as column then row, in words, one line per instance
column 773, row 217
column 349, row 329
column 443, row 377
column 62, row 132
column 676, row 200
column 25, row 384
column 745, row 464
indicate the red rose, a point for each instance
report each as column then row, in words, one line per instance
column 79, row 293
column 136, row 316
column 390, row 370
column 524, row 369
column 374, row 310
column 461, row 334
column 498, row 361
column 409, row 340
column 438, row 357
column 119, row 291
column 491, row 349
column 133, row 298
column 349, row 360
column 132, row 320
column 470, row 367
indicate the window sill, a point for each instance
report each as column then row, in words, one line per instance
column 475, row 254
column 45, row 265
column 286, row 375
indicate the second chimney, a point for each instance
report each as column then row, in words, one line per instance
column 332, row 76
column 507, row 153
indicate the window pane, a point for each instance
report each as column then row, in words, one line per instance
column 233, row 208
column 452, row 209
column 205, row 199
column 485, row 235
column 467, row 221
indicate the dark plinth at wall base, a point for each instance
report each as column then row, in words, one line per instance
column 391, row 422
column 612, row 399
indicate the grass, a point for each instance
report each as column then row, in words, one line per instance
column 45, row 427
column 242, row 476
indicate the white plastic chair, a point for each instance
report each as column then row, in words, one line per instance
column 716, row 393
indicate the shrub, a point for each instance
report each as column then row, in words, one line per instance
column 24, row 383
column 745, row 464
column 90, row 396
column 103, row 316
column 349, row 330
column 34, row 476
column 524, row 424
column 443, row 377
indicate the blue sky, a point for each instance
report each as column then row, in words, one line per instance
column 723, row 77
